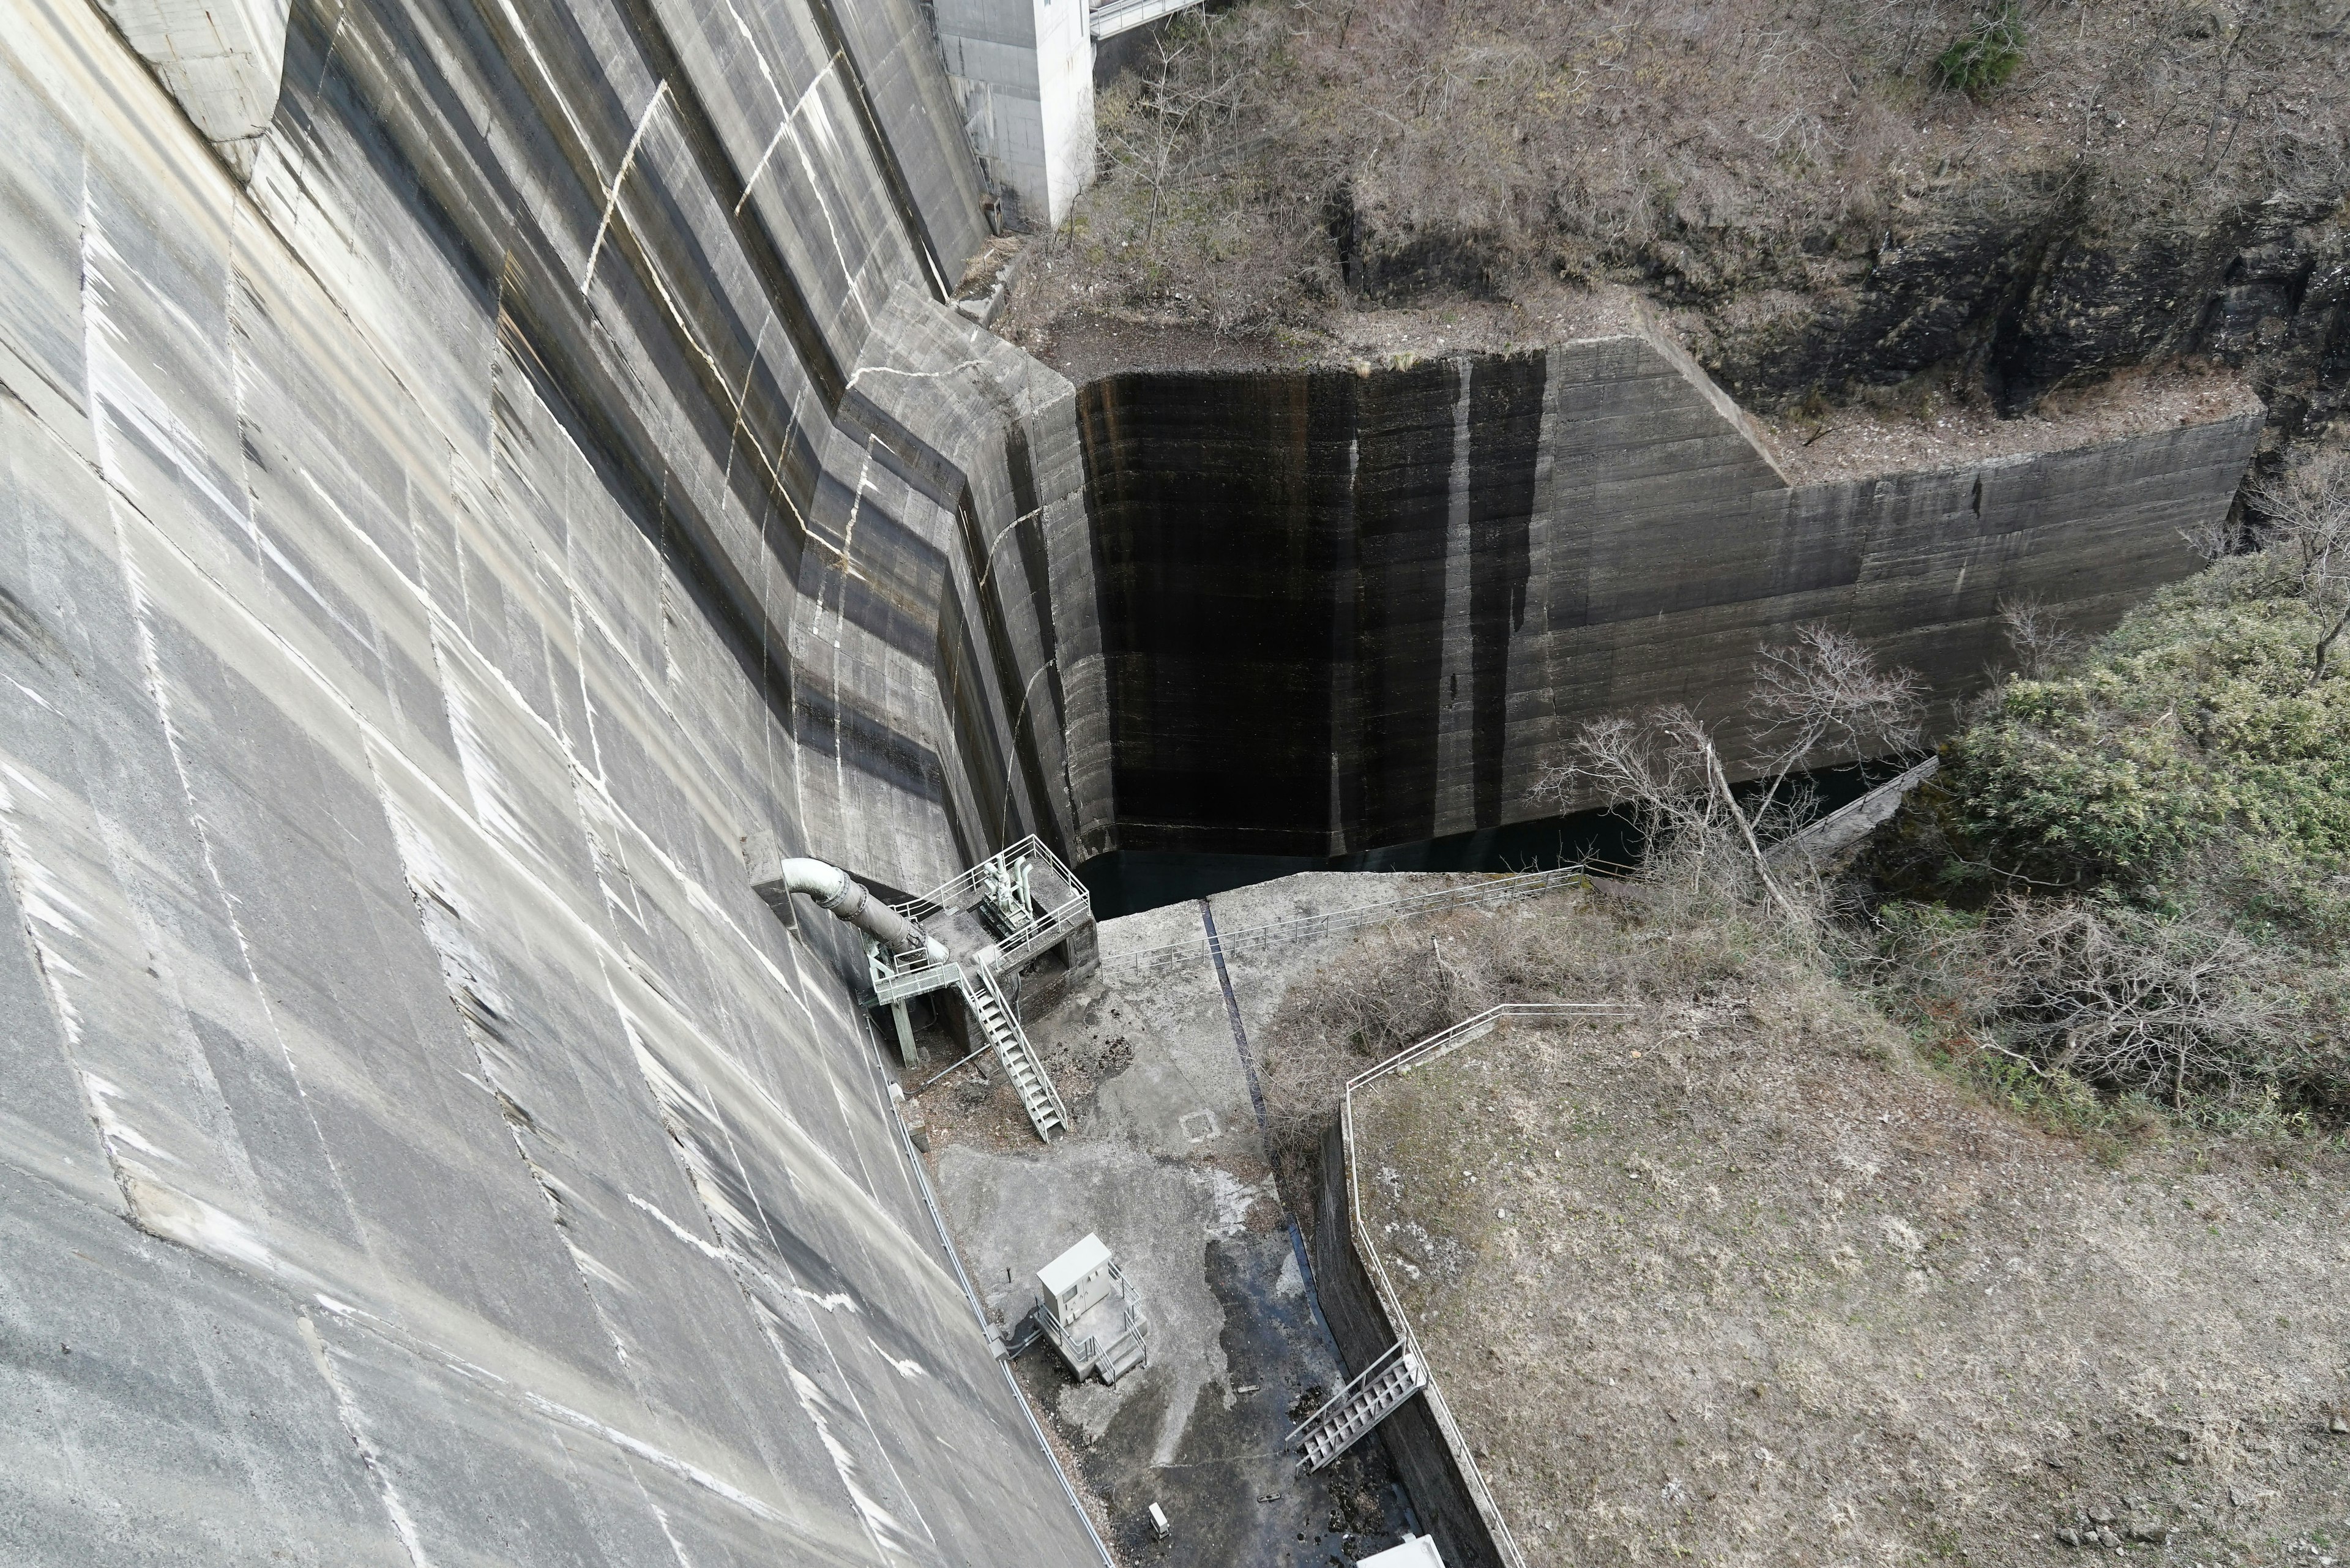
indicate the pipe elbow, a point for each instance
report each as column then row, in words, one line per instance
column 844, row 896
column 827, row 884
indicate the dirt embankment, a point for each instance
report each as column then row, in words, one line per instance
column 1744, row 1284
column 1795, row 191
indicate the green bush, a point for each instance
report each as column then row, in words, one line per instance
column 1986, row 55
column 2156, row 840
column 2194, row 743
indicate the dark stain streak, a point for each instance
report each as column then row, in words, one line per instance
column 1222, row 529
column 1402, row 509
column 1505, row 405
column 1012, row 690
column 25, row 631
column 978, row 745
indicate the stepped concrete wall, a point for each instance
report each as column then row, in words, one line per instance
column 420, row 567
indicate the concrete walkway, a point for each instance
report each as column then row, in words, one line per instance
column 1167, row 1164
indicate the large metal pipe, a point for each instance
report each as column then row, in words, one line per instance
column 845, row 896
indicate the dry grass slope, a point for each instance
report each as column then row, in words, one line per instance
column 1789, row 180
column 1745, row 1283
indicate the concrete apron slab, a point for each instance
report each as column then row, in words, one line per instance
column 1167, row 1164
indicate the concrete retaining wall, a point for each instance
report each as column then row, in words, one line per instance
column 1403, row 590
column 1365, row 1326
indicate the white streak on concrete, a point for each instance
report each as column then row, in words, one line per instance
column 117, row 391
column 612, row 191
column 783, row 128
column 879, row 1522
column 840, row 1301
column 102, row 1095
column 38, row 895
column 348, row 1411
column 908, row 1369
column 706, row 1249
column 821, row 121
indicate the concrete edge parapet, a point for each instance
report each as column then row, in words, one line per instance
column 1366, row 1316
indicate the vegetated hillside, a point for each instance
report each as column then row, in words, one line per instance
column 1946, row 200
column 2133, row 872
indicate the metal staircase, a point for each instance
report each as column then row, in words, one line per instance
column 1394, row 1377
column 1001, row 1025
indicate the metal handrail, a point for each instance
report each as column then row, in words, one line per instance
column 1089, row 1348
column 1390, row 1301
column 915, row 974
column 986, row 981
column 913, row 1161
column 1039, row 933
column 1360, row 1381
column 947, row 895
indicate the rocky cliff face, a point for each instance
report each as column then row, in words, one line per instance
column 2023, row 284
column 1812, row 206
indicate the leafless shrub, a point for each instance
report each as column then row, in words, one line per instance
column 1823, row 692
column 2041, row 642
column 2217, row 539
column 2307, row 520
column 1393, row 988
column 2135, row 1000
column 1826, row 690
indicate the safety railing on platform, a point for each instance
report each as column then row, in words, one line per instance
column 1483, row 893
column 900, row 977
column 1108, row 18
column 1366, row 1248
column 963, row 891
column 1013, row 884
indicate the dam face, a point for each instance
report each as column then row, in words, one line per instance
column 438, row 529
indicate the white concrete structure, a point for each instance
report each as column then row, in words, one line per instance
column 1077, row 1281
column 1025, row 72
column 1417, row 1551
column 1090, row 1313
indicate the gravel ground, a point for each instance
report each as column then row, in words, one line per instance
column 1742, row 1284
column 1865, row 439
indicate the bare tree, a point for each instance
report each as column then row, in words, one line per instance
column 2307, row 518
column 1824, row 691
column 2041, row 641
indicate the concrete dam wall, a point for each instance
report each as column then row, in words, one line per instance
column 421, row 563
column 439, row 526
